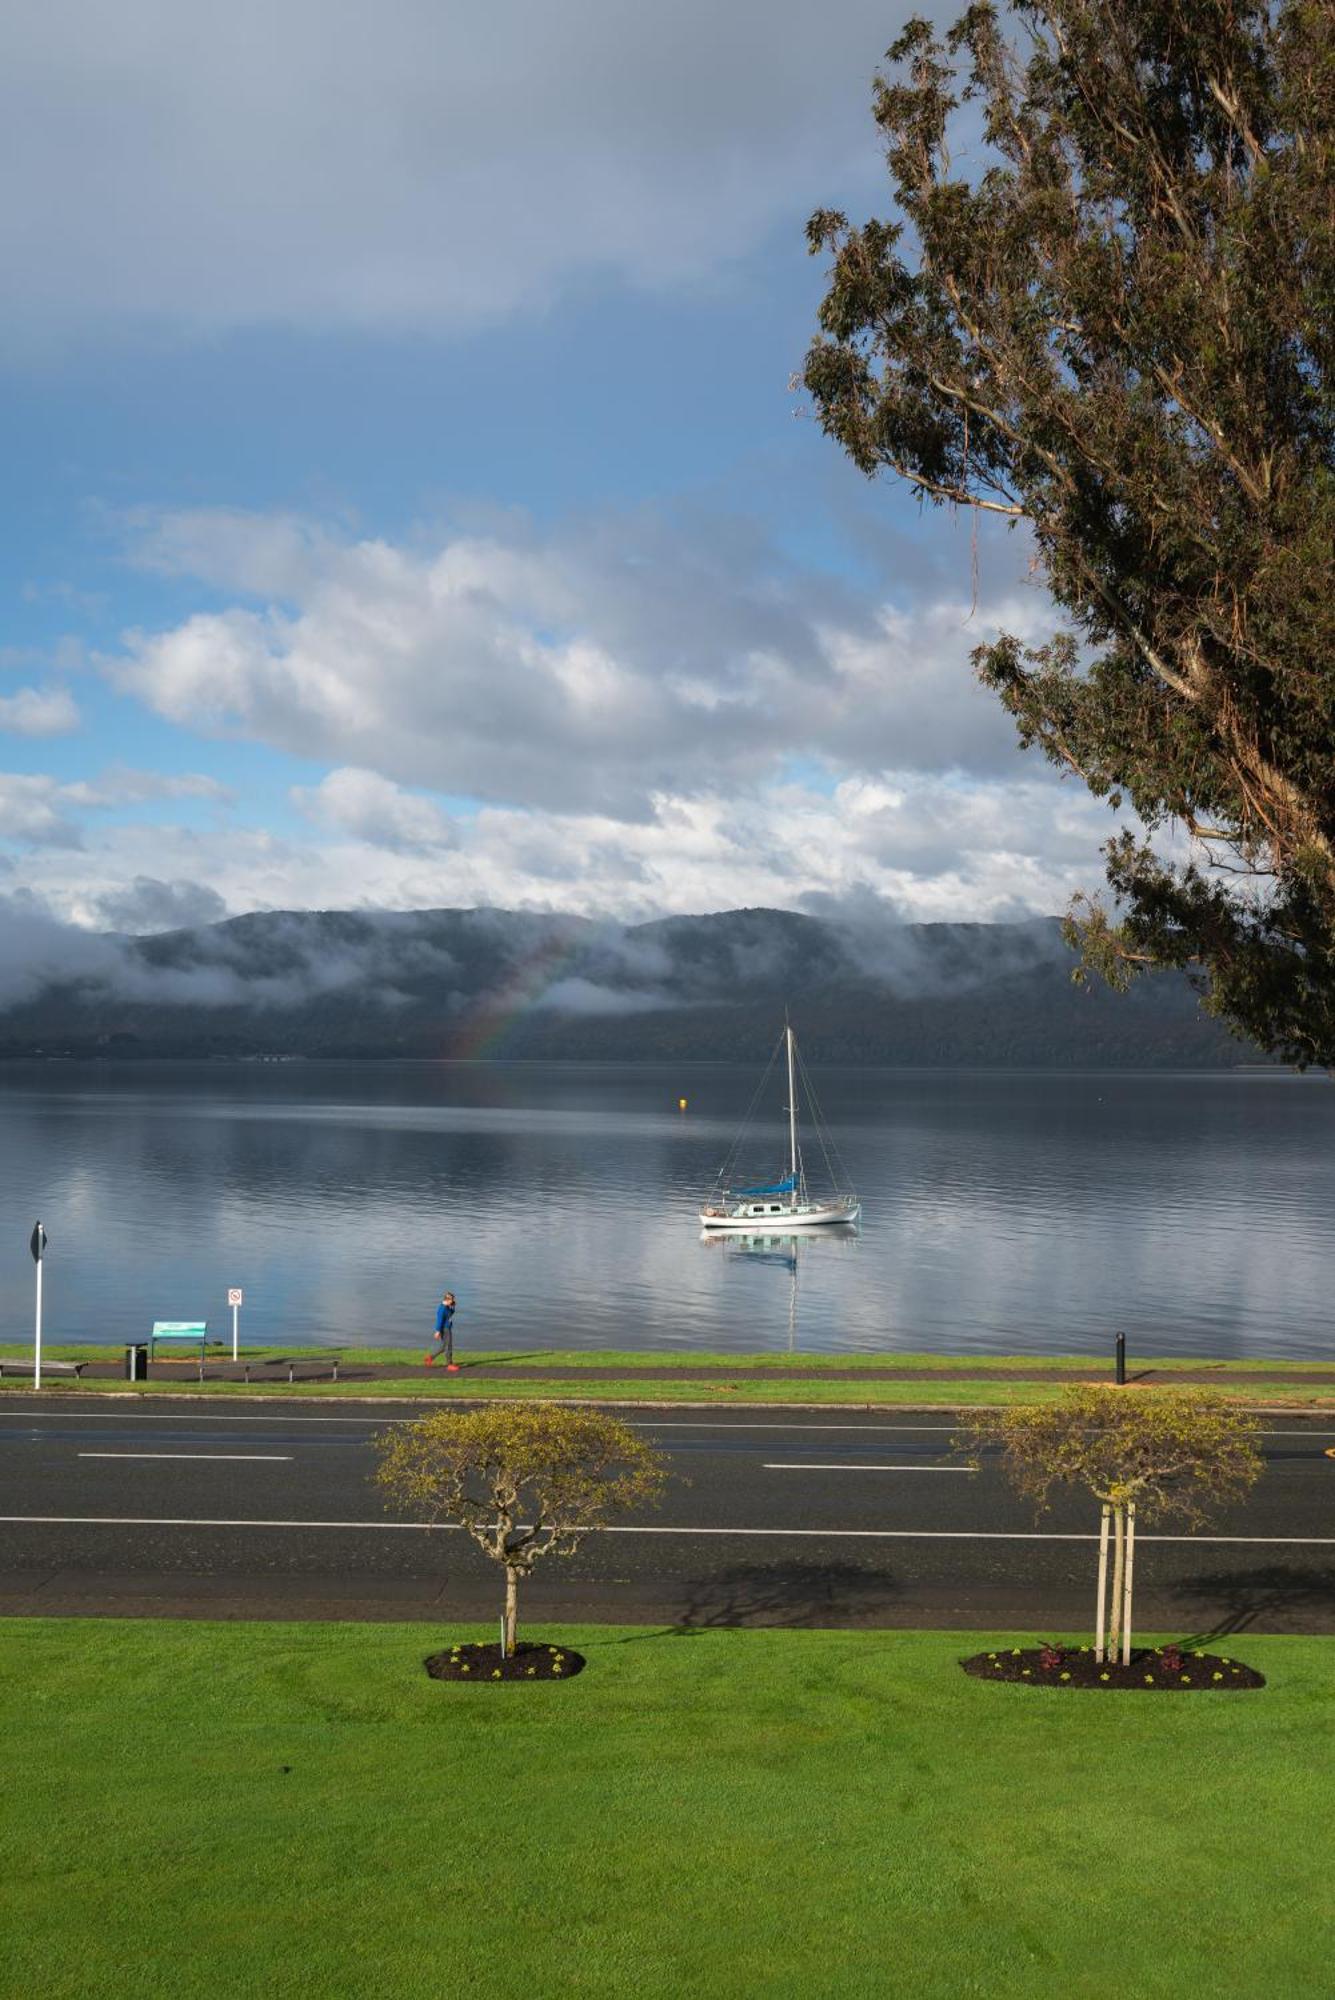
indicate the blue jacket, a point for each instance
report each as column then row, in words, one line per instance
column 444, row 1317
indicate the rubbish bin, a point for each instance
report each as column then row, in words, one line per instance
column 136, row 1361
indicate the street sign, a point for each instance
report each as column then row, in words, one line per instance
column 234, row 1297
column 37, row 1242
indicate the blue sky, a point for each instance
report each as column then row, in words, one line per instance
column 405, row 499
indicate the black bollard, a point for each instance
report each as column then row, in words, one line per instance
column 1121, row 1357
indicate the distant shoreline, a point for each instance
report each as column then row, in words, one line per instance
column 139, row 1058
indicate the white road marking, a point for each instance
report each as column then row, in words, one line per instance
column 210, row 1457
column 816, row 1534
column 667, row 1424
column 195, row 1417
column 235, row 1417
column 793, row 1466
column 31, row 1418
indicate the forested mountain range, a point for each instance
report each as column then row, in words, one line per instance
column 475, row 983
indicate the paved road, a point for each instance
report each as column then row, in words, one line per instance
column 795, row 1517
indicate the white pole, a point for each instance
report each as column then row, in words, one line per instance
column 37, row 1339
column 235, row 1310
column 792, row 1120
column 1126, row 1583
column 1101, row 1628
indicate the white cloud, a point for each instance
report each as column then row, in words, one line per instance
column 33, row 810
column 992, row 849
column 590, row 669
column 119, row 786
column 38, row 810
column 376, row 810
column 308, row 162
column 29, row 711
column 149, row 904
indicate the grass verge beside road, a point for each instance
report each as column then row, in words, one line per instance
column 905, row 1380
column 232, row 1809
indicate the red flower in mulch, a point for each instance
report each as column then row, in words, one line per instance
column 1150, row 1669
column 488, row 1663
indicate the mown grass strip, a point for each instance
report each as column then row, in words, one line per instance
column 804, row 1392
column 226, row 1810
column 630, row 1361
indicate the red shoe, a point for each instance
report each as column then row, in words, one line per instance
column 428, row 1359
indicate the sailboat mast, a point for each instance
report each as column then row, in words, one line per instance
column 792, row 1118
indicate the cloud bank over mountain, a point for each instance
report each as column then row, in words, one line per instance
column 621, row 716
column 443, row 983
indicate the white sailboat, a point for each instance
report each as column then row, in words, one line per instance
column 787, row 1203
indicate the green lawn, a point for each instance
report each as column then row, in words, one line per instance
column 628, row 1361
column 612, row 1375
column 767, row 1813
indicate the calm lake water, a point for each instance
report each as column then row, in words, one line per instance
column 1002, row 1211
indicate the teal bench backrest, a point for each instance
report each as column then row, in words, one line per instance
column 195, row 1331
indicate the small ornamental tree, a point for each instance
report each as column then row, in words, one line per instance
column 1161, row 1455
column 526, row 1480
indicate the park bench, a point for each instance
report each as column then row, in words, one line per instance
column 179, row 1333
column 314, row 1367
column 18, row 1365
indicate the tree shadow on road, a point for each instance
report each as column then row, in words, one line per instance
column 781, row 1594
column 1249, row 1598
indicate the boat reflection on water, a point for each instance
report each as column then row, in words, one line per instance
column 776, row 1249
column 789, row 1250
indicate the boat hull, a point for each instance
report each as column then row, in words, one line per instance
column 752, row 1216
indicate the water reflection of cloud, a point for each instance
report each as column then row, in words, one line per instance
column 1197, row 1214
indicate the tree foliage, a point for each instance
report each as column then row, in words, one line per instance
column 1169, row 1455
column 1113, row 322
column 525, row 1480
column 1178, row 1454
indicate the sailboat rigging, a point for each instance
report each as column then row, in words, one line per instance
column 786, row 1203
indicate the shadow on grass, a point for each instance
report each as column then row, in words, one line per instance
column 550, row 1355
column 1248, row 1598
column 779, row 1594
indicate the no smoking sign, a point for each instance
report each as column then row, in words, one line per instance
column 234, row 1296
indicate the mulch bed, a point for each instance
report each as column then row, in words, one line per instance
column 488, row 1663
column 1152, row 1669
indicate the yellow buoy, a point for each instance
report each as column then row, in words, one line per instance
column 681, row 1104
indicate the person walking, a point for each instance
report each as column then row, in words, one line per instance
column 444, row 1334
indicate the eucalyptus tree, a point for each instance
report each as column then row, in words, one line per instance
column 1102, row 306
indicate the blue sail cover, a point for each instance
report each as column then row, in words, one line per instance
column 786, row 1186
